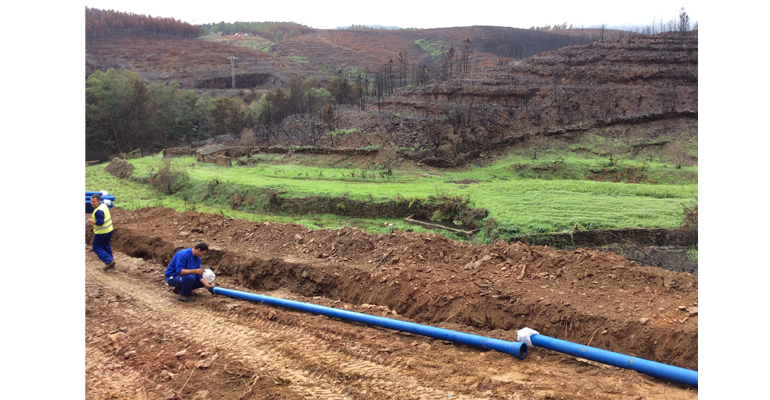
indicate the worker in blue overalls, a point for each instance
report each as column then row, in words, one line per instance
column 184, row 272
column 102, row 221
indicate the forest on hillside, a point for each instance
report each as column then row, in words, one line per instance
column 273, row 31
column 109, row 23
column 124, row 113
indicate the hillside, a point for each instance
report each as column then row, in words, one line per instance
column 197, row 64
column 625, row 82
column 203, row 63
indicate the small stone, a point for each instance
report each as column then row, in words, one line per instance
column 643, row 320
column 181, row 353
column 117, row 336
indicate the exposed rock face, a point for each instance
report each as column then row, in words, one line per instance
column 224, row 161
column 178, row 152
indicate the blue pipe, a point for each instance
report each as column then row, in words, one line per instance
column 652, row 368
column 99, row 193
column 517, row 349
column 109, row 197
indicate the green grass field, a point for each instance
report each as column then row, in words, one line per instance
column 519, row 205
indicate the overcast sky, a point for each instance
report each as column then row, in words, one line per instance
column 412, row 13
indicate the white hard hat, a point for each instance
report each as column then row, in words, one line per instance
column 208, row 275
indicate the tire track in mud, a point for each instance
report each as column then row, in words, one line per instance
column 253, row 342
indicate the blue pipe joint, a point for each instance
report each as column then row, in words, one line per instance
column 652, row 368
column 516, row 349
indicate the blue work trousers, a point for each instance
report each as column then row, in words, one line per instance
column 186, row 283
column 101, row 246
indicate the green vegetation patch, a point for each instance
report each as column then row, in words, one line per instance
column 576, row 182
column 434, row 48
column 518, row 206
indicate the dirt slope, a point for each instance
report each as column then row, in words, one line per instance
column 134, row 325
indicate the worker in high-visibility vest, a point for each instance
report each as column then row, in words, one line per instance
column 102, row 221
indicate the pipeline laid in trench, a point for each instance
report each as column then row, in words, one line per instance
column 517, row 349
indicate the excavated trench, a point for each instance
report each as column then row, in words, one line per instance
column 588, row 297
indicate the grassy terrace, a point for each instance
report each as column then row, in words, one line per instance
column 520, row 204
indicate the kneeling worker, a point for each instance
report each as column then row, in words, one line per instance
column 185, row 274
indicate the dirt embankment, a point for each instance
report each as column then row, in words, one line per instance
column 581, row 296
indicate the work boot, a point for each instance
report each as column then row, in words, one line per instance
column 184, row 298
column 111, row 265
column 176, row 290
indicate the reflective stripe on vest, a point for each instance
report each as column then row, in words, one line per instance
column 107, row 226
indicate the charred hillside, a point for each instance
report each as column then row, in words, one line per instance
column 623, row 81
column 196, row 64
column 468, row 101
column 372, row 50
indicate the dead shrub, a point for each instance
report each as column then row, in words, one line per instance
column 167, row 177
column 471, row 218
column 248, row 138
column 689, row 225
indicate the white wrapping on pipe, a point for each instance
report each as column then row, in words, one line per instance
column 523, row 335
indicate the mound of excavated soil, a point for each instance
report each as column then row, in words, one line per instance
column 589, row 297
column 119, row 168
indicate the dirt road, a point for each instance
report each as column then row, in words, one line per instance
column 141, row 343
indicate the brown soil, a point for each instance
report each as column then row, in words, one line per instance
column 233, row 349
